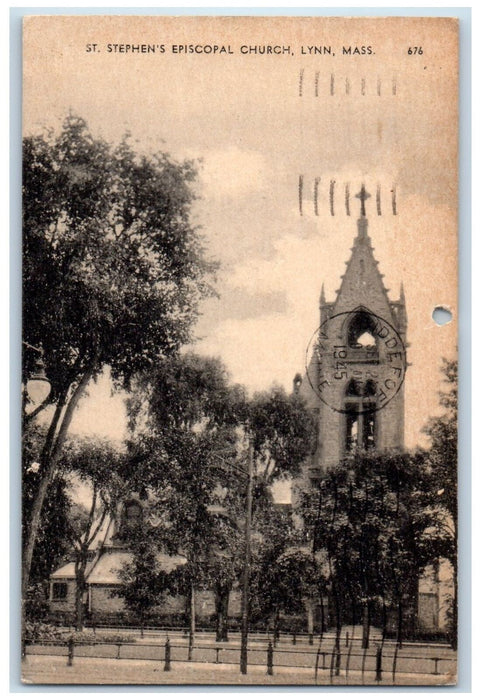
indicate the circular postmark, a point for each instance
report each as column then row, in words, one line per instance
column 356, row 361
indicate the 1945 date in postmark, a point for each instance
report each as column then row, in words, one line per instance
column 356, row 354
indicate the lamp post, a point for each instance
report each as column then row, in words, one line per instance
column 37, row 387
column 247, row 551
column 247, row 563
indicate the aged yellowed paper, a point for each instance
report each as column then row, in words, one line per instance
column 239, row 336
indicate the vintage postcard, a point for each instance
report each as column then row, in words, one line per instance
column 239, row 350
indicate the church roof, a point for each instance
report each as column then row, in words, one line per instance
column 108, row 567
column 65, row 571
column 106, row 570
column 362, row 283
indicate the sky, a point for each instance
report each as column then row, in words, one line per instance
column 257, row 122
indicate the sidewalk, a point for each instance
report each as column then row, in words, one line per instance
column 53, row 670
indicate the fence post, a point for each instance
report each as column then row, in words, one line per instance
column 191, row 646
column 364, row 653
column 335, row 660
column 347, row 639
column 348, row 659
column 70, row 652
column 338, row 659
column 311, row 639
column 379, row 663
column 394, row 663
column 294, row 638
column 167, row 655
column 270, row 659
column 316, row 668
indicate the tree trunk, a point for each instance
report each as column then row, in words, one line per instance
column 366, row 625
column 222, row 611
column 48, row 464
column 413, row 609
column 275, row 624
column 384, row 620
column 354, row 614
column 323, row 615
column 400, row 613
column 192, row 622
column 337, row 642
column 454, row 618
column 34, row 523
column 310, row 617
column 79, row 602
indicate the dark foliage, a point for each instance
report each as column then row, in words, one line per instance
column 113, row 272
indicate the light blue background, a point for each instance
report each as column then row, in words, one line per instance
column 464, row 15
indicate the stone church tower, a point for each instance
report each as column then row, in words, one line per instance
column 354, row 379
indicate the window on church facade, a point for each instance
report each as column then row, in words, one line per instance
column 131, row 517
column 59, row 590
column 133, row 513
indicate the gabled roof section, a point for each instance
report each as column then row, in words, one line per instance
column 362, row 284
column 65, row 571
column 106, row 569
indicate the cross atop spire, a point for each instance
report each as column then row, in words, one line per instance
column 363, row 195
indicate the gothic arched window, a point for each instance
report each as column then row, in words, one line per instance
column 360, row 333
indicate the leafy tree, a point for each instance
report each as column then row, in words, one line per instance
column 113, row 272
column 372, row 517
column 281, row 429
column 183, row 419
column 274, row 543
column 97, row 465
column 442, row 463
column 143, row 582
column 190, row 434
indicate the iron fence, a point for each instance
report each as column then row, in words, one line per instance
column 340, row 663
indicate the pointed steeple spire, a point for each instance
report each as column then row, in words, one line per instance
column 402, row 298
column 362, row 283
column 322, row 299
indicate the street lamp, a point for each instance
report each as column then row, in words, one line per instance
column 37, row 386
column 247, row 564
column 247, row 554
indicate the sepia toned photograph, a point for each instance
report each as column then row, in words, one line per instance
column 239, row 350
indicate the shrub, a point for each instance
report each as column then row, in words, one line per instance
column 40, row 632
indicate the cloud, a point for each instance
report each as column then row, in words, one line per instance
column 259, row 351
column 232, row 172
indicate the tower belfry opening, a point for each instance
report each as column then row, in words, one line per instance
column 361, row 330
column 360, row 409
